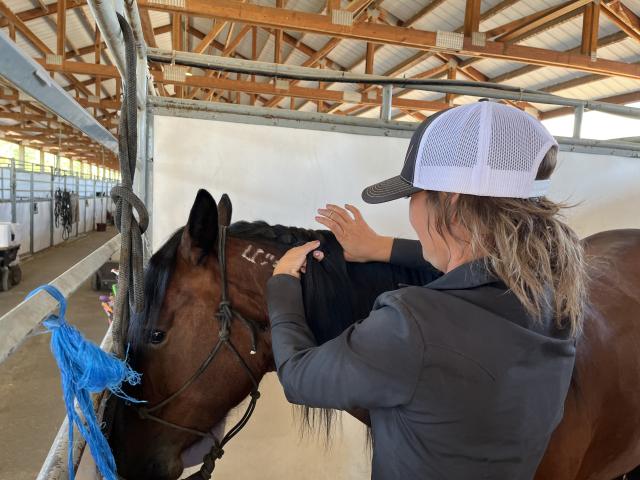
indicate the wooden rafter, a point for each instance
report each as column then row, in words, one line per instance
column 424, row 40
column 423, row 12
column 39, row 12
column 147, row 28
column 354, row 7
column 518, row 29
column 623, row 17
column 419, row 57
column 37, row 42
column 510, row 75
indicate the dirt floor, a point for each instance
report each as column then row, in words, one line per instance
column 31, row 406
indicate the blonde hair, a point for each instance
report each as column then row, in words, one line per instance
column 526, row 244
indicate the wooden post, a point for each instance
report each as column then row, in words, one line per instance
column 590, row 27
column 451, row 75
column 61, row 27
column 471, row 17
column 176, row 43
column 254, row 56
column 371, row 50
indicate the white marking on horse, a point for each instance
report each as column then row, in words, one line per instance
column 252, row 253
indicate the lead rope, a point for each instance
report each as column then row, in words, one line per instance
column 130, row 279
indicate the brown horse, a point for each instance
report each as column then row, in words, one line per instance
column 598, row 438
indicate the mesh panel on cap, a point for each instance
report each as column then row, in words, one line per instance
column 484, row 148
column 506, row 150
column 452, row 140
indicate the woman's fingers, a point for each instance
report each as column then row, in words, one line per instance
column 332, row 225
column 339, row 213
column 333, row 216
column 354, row 211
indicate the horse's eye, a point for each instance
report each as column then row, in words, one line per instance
column 157, row 336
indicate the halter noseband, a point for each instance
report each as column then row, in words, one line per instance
column 225, row 315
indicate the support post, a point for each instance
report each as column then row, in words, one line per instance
column 13, row 191
column 52, row 205
column 78, row 195
column 387, row 99
column 31, row 212
column 577, row 121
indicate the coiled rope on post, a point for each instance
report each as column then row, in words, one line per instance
column 130, row 281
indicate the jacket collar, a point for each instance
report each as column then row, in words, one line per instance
column 469, row 275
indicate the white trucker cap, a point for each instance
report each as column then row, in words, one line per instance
column 483, row 148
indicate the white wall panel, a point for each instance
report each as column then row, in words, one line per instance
column 283, row 175
column 42, row 226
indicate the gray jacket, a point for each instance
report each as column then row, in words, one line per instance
column 460, row 382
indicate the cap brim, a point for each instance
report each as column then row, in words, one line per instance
column 387, row 190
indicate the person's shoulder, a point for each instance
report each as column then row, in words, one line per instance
column 409, row 298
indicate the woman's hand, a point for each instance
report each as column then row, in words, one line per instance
column 294, row 260
column 358, row 240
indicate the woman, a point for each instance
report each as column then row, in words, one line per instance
column 465, row 377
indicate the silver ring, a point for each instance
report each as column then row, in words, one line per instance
column 330, row 215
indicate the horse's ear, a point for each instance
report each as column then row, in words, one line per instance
column 201, row 232
column 224, row 210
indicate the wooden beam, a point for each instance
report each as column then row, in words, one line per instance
column 422, row 55
column 546, row 17
column 329, row 46
column 62, row 27
column 38, row 12
column 590, row 24
column 510, row 75
column 80, row 68
column 471, row 17
column 423, row 12
column 386, row 34
column 451, row 75
column 292, row 91
column 210, row 37
column 147, row 28
column 176, row 43
column 24, row 117
column 623, row 17
column 277, row 47
column 37, row 42
column 254, row 56
column 368, row 69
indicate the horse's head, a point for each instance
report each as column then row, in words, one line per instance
column 172, row 339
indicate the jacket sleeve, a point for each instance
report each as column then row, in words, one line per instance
column 375, row 363
column 407, row 253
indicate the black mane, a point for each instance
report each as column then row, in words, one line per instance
column 336, row 293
